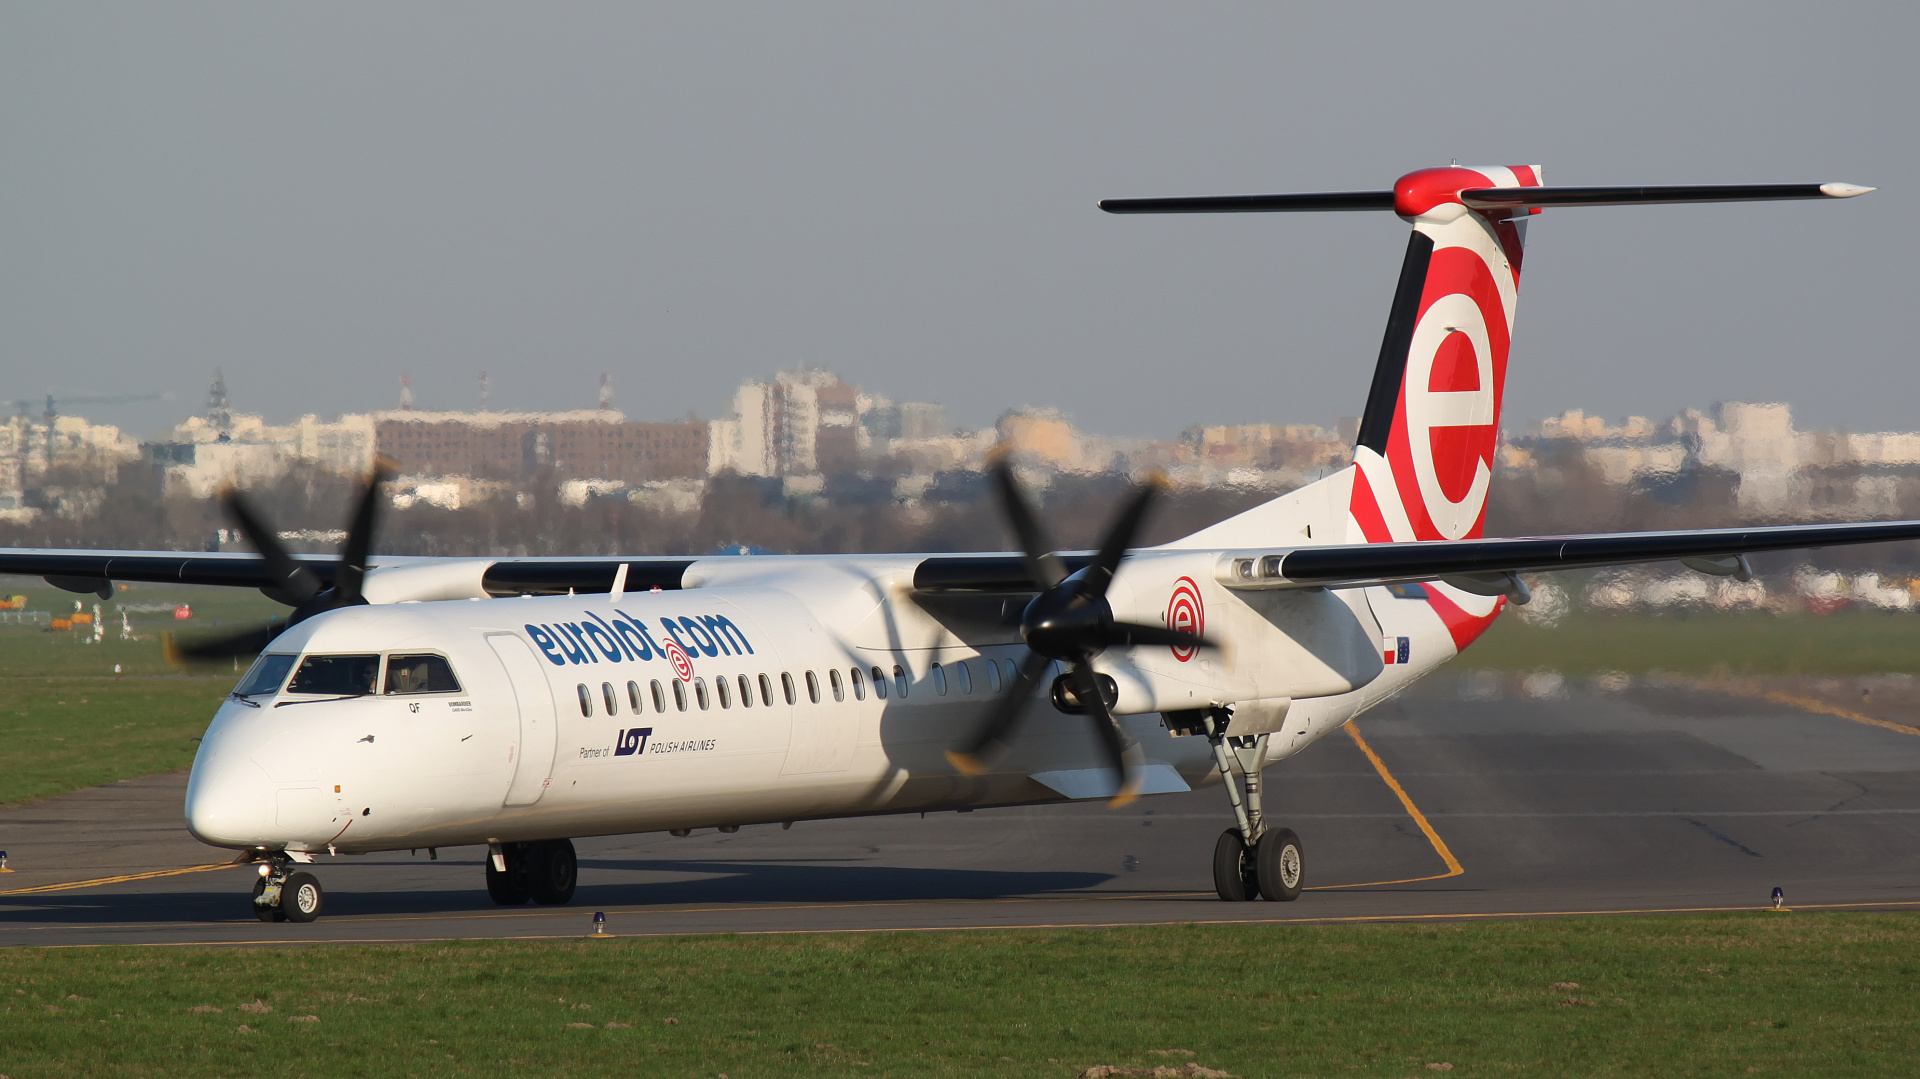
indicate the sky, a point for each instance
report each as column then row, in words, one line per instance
column 320, row 198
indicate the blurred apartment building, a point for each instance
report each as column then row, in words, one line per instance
column 479, row 447
column 53, row 462
column 1773, row 470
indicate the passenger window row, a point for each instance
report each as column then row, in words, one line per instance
column 1000, row 674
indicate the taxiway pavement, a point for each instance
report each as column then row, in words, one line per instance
column 1650, row 799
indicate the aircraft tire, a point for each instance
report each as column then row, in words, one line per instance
column 1234, row 877
column 1279, row 865
column 265, row 914
column 552, row 871
column 301, row 897
column 509, row 889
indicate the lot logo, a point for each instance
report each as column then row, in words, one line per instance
column 1186, row 612
column 631, row 741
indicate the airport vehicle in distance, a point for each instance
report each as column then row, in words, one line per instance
column 522, row 702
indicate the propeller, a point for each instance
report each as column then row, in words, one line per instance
column 290, row 582
column 1070, row 622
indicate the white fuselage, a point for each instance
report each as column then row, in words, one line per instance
column 558, row 728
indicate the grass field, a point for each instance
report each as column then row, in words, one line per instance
column 1736, row 995
column 67, row 720
column 1845, row 643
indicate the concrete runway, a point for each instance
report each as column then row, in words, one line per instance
column 1644, row 800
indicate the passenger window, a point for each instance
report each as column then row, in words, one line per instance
column 660, row 698
column 813, row 688
column 586, row 700
column 726, row 692
column 993, row 676
column 859, row 685
column 1013, row 671
column 833, row 679
column 700, row 692
column 880, row 683
column 265, row 675
column 939, row 679
column 786, row 683
column 746, row 692
column 348, row 676
column 633, row 698
column 680, row 694
column 420, row 674
column 965, row 676
column 766, row 691
column 900, row 681
column 606, row 694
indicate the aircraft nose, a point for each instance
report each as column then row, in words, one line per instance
column 231, row 803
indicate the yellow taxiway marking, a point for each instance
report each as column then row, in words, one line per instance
column 1419, row 818
column 123, row 878
column 1810, row 705
column 1308, row 920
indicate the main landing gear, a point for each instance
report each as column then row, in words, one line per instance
column 544, row 871
column 1250, row 860
column 286, row 894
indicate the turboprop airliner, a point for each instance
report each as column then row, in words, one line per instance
column 521, row 703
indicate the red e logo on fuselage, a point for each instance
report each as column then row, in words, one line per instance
column 1186, row 611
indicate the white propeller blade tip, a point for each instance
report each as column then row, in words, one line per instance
column 1843, row 191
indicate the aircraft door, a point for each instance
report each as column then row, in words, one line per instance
column 533, row 752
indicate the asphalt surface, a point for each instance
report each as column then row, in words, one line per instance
column 1638, row 801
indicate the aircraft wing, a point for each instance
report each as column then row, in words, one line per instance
column 1488, row 565
column 93, row 571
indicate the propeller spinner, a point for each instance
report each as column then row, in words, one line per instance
column 293, row 583
column 1070, row 622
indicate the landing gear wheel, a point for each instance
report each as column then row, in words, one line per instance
column 300, row 897
column 552, row 871
column 1234, row 877
column 1278, row 864
column 509, row 889
column 261, row 911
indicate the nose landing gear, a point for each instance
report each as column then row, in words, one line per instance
column 1250, row 860
column 284, row 894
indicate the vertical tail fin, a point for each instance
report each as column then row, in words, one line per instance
column 1432, row 421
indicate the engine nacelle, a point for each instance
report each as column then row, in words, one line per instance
column 424, row 581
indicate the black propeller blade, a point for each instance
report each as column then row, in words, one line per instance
column 294, row 584
column 1070, row 622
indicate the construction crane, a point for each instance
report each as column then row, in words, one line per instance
column 52, row 413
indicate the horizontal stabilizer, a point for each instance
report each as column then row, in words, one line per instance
column 1254, row 204
column 1488, row 198
column 1514, row 197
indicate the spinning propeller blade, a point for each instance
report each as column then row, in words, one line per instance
column 295, row 585
column 1070, row 622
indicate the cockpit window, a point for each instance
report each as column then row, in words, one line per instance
column 338, row 675
column 265, row 675
column 420, row 674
